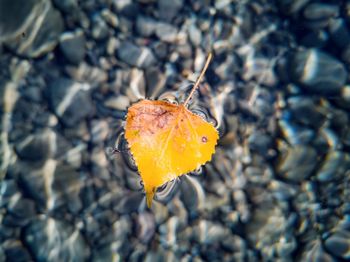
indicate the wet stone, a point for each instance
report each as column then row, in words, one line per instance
column 169, row 9
column 40, row 35
column 319, row 11
column 338, row 244
column 20, row 213
column 146, row 26
column 315, row 252
column 298, row 163
column 155, row 82
column 15, row 15
column 66, row 97
column 72, row 45
column 15, row 251
column 318, row 72
column 119, row 102
column 260, row 142
column 66, row 6
column 146, row 226
column 136, row 56
column 166, row 32
column 37, row 147
column 58, row 241
column 334, row 166
column 99, row 29
column 305, row 111
column 339, row 31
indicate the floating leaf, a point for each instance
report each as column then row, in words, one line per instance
column 168, row 140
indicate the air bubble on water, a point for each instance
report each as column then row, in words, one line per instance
column 166, row 192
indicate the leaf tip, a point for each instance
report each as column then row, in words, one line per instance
column 149, row 197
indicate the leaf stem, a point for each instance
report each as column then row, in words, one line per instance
column 199, row 79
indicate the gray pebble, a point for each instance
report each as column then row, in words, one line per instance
column 318, row 11
column 53, row 236
column 136, row 56
column 72, row 45
column 298, row 163
column 66, row 97
column 14, row 16
column 37, row 147
column 315, row 252
column 21, row 211
column 169, row 9
column 145, row 26
column 305, row 111
column 146, row 226
column 338, row 244
column 15, row 251
column 66, row 6
column 34, row 43
column 155, row 82
column 318, row 72
column 334, row 166
column 166, row 32
column 99, row 29
column 339, row 32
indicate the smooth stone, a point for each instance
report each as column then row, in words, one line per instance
column 291, row 7
column 99, row 29
column 339, row 32
column 296, row 134
column 41, row 35
column 305, row 111
column 192, row 194
column 33, row 93
column 146, row 26
column 334, row 166
column 20, row 213
column 35, row 181
column 166, row 32
column 72, row 45
column 316, row 252
column 37, row 147
column 315, row 39
column 99, row 131
column 208, row 233
column 319, row 11
column 195, row 35
column 110, row 18
column 318, row 72
column 66, row 98
column 155, row 82
column 169, row 9
column 146, row 227
column 16, row 252
column 338, row 244
column 54, row 236
column 120, row 102
column 133, row 55
column 67, row 6
column 15, row 15
column 65, row 188
column 260, row 142
column 298, row 163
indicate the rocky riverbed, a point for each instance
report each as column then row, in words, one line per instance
column 278, row 187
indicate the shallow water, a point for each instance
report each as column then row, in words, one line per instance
column 277, row 90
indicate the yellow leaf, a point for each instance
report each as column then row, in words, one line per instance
column 167, row 140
